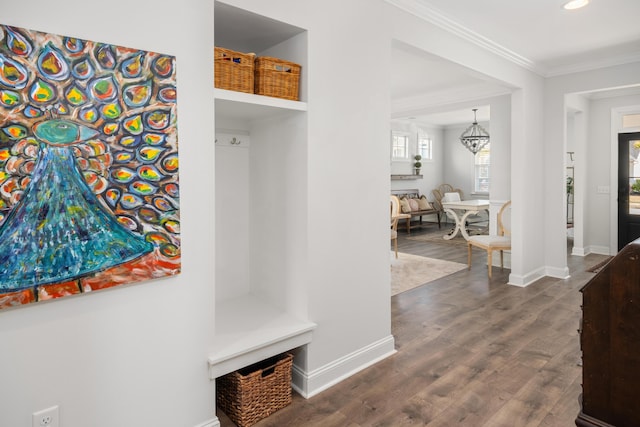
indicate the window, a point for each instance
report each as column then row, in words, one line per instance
column 425, row 147
column 482, row 167
column 399, row 145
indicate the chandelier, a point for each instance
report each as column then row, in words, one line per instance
column 475, row 137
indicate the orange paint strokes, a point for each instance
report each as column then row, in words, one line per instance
column 150, row 266
column 4, row 154
column 58, row 290
column 13, row 299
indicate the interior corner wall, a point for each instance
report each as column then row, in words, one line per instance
column 599, row 146
column 554, row 107
column 577, row 113
column 135, row 355
column 347, row 271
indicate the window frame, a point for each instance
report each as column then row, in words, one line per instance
column 428, row 155
column 482, row 160
column 395, row 136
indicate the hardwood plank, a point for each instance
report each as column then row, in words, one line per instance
column 471, row 352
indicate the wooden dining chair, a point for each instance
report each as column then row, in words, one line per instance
column 499, row 242
column 395, row 216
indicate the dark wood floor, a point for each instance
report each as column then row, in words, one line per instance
column 471, row 352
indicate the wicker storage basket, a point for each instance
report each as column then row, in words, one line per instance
column 234, row 70
column 257, row 391
column 277, row 77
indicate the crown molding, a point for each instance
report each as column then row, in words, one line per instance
column 437, row 18
column 432, row 15
column 593, row 64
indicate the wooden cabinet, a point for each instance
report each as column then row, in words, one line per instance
column 610, row 340
column 261, row 145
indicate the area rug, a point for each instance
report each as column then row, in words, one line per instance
column 409, row 271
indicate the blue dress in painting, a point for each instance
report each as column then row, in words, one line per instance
column 60, row 231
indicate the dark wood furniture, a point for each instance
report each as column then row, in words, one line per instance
column 610, row 341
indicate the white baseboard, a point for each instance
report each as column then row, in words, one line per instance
column 558, row 273
column 309, row 384
column 214, row 422
column 593, row 249
column 600, row 250
column 526, row 279
column 578, row 251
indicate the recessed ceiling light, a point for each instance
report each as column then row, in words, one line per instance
column 575, row 4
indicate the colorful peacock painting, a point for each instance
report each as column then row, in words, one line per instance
column 89, row 192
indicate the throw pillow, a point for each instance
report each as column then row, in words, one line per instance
column 423, row 204
column 404, row 205
column 413, row 203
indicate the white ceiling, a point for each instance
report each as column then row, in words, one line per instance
column 547, row 35
column 538, row 34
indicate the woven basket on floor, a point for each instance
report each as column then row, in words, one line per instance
column 234, row 70
column 257, row 391
column 277, row 77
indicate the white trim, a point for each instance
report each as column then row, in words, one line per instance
column 582, row 66
column 214, row 422
column 437, row 18
column 616, row 121
column 397, row 133
column 424, row 103
column 576, row 251
column 308, row 384
column 526, row 279
column 593, row 249
column 600, row 250
column 432, row 15
column 616, row 129
column 557, row 272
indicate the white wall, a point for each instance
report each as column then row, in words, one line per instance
column 458, row 169
column 132, row 356
column 432, row 170
column 554, row 142
column 232, row 214
column 526, row 133
column 346, row 270
column 600, row 148
column 349, row 165
column 578, row 120
column 501, row 171
column 114, row 357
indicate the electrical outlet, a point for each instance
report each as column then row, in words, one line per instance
column 46, row 418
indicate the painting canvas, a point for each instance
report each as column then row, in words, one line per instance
column 89, row 192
